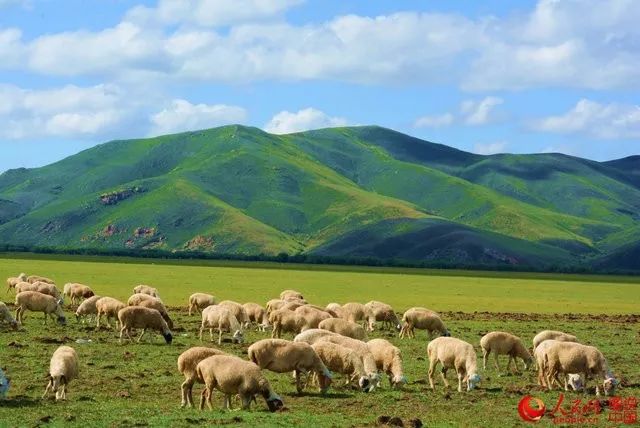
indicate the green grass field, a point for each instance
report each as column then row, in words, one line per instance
column 139, row 385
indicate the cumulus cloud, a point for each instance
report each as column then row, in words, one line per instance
column 181, row 116
column 286, row 122
column 435, row 121
column 593, row 119
column 490, row 148
column 479, row 112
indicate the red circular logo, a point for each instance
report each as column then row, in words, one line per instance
column 529, row 413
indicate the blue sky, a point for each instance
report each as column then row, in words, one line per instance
column 486, row 77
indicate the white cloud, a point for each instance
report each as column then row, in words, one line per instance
column 184, row 116
column 590, row 118
column 286, row 122
column 479, row 112
column 435, row 121
column 490, row 148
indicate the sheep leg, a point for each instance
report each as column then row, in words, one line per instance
column 432, row 368
column 98, row 320
column 141, row 334
column 298, row 381
column 246, row 401
column 460, row 376
column 443, row 374
column 219, row 335
column 185, row 388
column 485, row 354
column 495, row 359
column 201, row 331
column 227, row 402
column 48, row 388
column 203, row 398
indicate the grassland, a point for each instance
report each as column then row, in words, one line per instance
column 138, row 384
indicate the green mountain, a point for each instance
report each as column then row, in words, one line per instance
column 342, row 192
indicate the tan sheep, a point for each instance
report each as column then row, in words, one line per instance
column 63, row 368
column 343, row 327
column 6, row 317
column 38, row 302
column 455, row 354
column 46, row 288
column 552, row 335
column 76, row 292
column 153, row 303
column 135, row 299
column 292, row 305
column 388, row 360
column 257, row 315
column 146, row 289
column 25, row 286
column 109, row 307
column 291, row 295
column 502, row 343
column 232, row 375
column 423, row 319
column 13, row 281
column 274, row 304
column 285, row 321
column 572, row 379
column 199, row 301
column 36, row 278
column 132, row 317
column 313, row 335
column 238, row 311
column 87, row 308
column 570, row 357
column 343, row 360
column 361, row 349
column 187, row 364
column 282, row 356
column 355, row 312
column 312, row 316
column 222, row 318
column 385, row 313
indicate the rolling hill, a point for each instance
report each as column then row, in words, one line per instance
column 341, row 192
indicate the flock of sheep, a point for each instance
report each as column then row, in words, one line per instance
column 327, row 340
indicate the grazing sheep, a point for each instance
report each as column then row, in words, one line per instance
column 354, row 312
column 312, row 316
column 281, row 356
column 552, row 335
column 62, row 370
column 46, row 288
column 343, row 327
column 572, row 379
column 151, row 302
column 274, row 305
column 76, row 292
column 502, row 343
column 238, row 310
column 6, row 317
column 109, row 307
column 313, row 335
column 38, row 302
column 291, row 295
column 385, row 313
column 285, row 321
column 232, row 375
column 455, row 354
column 257, row 314
column 423, row 319
column 588, row 361
column 343, row 360
column 361, row 349
column 13, row 281
column 187, row 364
column 199, row 301
column 131, row 317
column 336, row 311
column 25, row 286
column 222, row 318
column 135, row 299
column 36, row 278
column 5, row 384
column 146, row 289
column 388, row 360
column 87, row 308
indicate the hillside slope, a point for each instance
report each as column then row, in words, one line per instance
column 343, row 192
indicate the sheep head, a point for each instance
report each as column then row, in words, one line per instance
column 398, row 382
column 238, row 337
column 472, row 381
column 610, row 384
column 168, row 337
column 575, row 381
column 365, row 384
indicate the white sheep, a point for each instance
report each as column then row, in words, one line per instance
column 552, row 335
column 282, row 356
column 38, row 302
column 6, row 317
column 13, row 281
column 87, row 308
column 423, row 319
column 76, row 292
column 385, row 313
column 361, row 349
column 238, row 311
column 222, row 318
column 62, row 370
column 570, row 357
column 147, row 301
column 257, row 314
column 37, row 278
column 285, row 321
column 146, row 289
column 388, row 360
column 232, row 375
column 343, row 327
column 455, row 354
column 313, row 335
column 109, row 307
column 343, row 360
column 291, row 295
column 571, row 379
column 131, row 317
column 502, row 343
column 187, row 364
column 199, row 301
